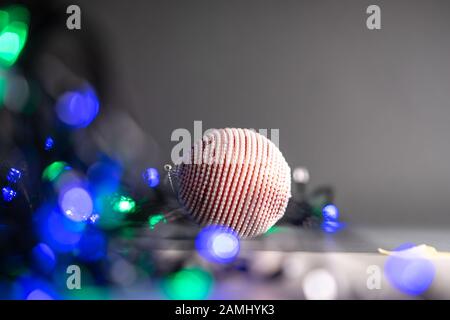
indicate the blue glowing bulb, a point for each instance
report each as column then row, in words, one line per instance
column 78, row 108
column 8, row 194
column 77, row 204
column 39, row 294
column 330, row 212
column 329, row 226
column 225, row 245
column 151, row 177
column 14, row 175
column 49, row 144
column 218, row 244
column 409, row 270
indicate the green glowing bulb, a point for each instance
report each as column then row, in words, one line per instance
column 124, row 204
column 154, row 220
column 13, row 34
column 53, row 171
column 9, row 47
column 189, row 284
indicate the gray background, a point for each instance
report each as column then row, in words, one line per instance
column 366, row 111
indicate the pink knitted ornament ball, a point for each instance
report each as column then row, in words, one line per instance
column 235, row 178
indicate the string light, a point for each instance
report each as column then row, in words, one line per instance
column 300, row 175
column 330, row 215
column 78, row 108
column 39, row 294
column 409, row 271
column 93, row 218
column 76, row 203
column 156, row 219
column 14, row 175
column 330, row 212
column 8, row 194
column 218, row 244
column 54, row 170
column 151, row 177
column 331, row 226
column 14, row 33
column 48, row 144
column 124, row 204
